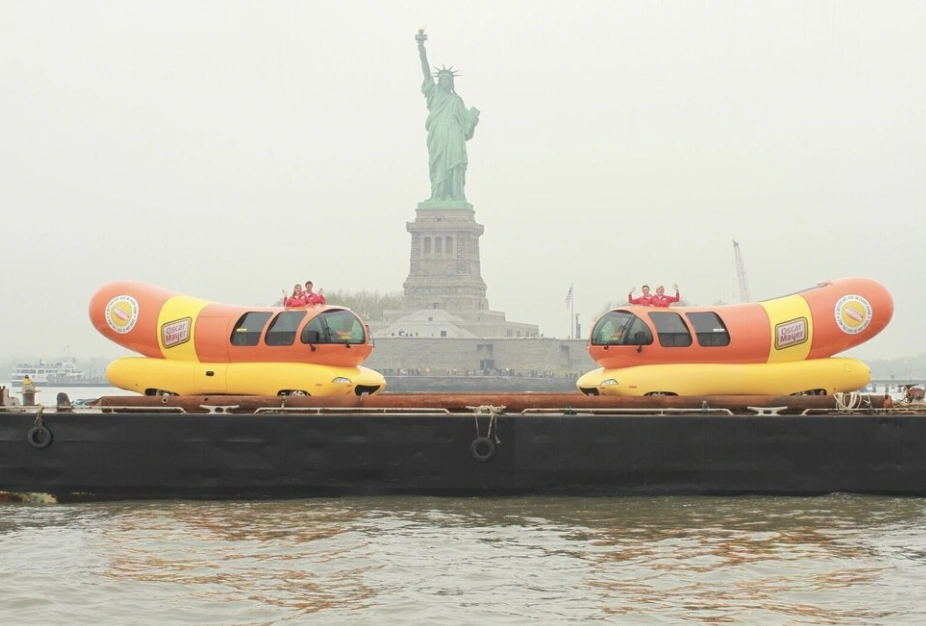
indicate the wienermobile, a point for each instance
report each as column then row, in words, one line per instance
column 191, row 346
column 782, row 346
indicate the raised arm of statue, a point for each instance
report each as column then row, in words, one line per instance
column 423, row 55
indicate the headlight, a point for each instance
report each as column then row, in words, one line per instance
column 608, row 382
column 341, row 379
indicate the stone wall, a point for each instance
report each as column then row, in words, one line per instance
column 520, row 356
column 479, row 384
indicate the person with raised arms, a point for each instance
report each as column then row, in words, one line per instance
column 662, row 300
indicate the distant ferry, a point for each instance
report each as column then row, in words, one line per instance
column 58, row 374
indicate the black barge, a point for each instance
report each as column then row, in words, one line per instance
column 461, row 445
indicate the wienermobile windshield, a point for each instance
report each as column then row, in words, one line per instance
column 617, row 328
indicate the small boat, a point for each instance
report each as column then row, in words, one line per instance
column 781, row 346
column 191, row 346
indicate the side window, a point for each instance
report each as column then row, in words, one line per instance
column 314, row 332
column 638, row 334
column 248, row 329
column 671, row 330
column 282, row 330
column 709, row 328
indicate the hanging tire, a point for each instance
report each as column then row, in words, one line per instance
column 482, row 449
column 39, row 437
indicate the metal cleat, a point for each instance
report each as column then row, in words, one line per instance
column 767, row 410
column 219, row 408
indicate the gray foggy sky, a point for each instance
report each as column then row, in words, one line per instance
column 230, row 149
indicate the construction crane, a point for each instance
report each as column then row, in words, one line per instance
column 740, row 273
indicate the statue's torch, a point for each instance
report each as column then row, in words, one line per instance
column 421, row 37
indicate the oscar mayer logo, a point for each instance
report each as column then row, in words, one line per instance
column 176, row 332
column 122, row 313
column 790, row 333
column 853, row 314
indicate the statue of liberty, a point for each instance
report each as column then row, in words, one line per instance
column 450, row 125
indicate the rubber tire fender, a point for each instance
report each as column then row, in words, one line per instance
column 39, row 437
column 479, row 442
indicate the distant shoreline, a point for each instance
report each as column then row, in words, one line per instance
column 56, row 385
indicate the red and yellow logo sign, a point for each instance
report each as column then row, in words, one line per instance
column 790, row 333
column 853, row 314
column 176, row 332
column 122, row 313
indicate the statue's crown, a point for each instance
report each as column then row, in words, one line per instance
column 445, row 70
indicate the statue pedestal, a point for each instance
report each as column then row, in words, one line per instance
column 445, row 296
column 445, row 268
column 445, row 204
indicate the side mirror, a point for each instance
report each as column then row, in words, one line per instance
column 639, row 338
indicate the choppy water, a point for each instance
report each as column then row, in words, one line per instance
column 750, row 560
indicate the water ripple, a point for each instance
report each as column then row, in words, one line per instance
column 753, row 560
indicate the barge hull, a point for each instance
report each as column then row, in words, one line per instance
column 151, row 455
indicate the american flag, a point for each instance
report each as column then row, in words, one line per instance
column 569, row 296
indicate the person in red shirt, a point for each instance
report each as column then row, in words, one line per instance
column 312, row 298
column 661, row 299
column 297, row 299
column 646, row 299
